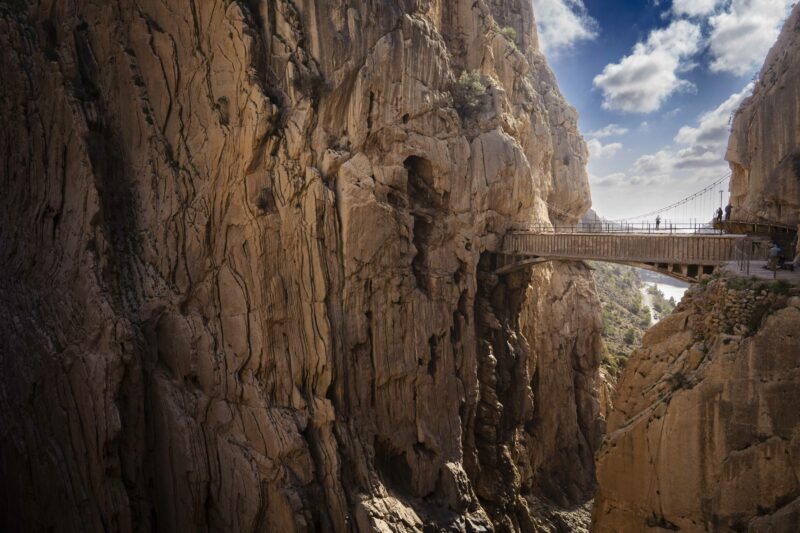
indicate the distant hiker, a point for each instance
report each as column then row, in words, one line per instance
column 728, row 209
column 719, row 214
column 658, row 222
column 774, row 257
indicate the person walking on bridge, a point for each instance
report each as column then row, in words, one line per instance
column 728, row 209
column 719, row 214
column 774, row 261
column 658, row 221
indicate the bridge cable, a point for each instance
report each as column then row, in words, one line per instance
column 679, row 203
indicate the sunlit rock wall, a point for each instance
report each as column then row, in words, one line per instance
column 705, row 431
column 764, row 146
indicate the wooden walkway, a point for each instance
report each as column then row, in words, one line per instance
column 682, row 256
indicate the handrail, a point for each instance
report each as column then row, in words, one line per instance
column 666, row 228
column 745, row 222
column 744, row 255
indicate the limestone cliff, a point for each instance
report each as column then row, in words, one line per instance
column 246, row 256
column 764, row 146
column 704, row 432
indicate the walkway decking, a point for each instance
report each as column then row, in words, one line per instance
column 682, row 256
column 756, row 270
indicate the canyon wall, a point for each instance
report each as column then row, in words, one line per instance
column 705, row 431
column 247, row 280
column 764, row 146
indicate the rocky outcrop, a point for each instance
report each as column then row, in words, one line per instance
column 764, row 146
column 247, row 283
column 704, row 432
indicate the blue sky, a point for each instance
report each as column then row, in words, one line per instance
column 655, row 83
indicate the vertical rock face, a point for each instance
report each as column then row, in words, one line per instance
column 247, row 282
column 705, row 431
column 764, row 146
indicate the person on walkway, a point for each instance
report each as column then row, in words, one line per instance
column 774, row 257
column 658, row 221
column 728, row 209
column 719, row 214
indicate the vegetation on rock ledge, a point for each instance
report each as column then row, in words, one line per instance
column 625, row 315
column 467, row 92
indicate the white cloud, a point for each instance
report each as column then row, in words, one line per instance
column 743, row 33
column 600, row 150
column 611, row 180
column 620, row 179
column 695, row 8
column 562, row 23
column 694, row 159
column 612, row 130
column 699, row 149
column 654, row 163
column 713, row 127
column 643, row 80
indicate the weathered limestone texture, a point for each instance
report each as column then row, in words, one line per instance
column 764, row 146
column 246, row 276
column 705, row 431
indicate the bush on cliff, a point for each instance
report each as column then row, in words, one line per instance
column 468, row 91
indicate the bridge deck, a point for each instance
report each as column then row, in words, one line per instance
column 701, row 252
column 688, row 249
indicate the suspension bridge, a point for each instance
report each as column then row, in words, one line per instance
column 677, row 240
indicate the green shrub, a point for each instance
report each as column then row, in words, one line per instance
column 630, row 336
column 509, row 33
column 780, row 287
column 467, row 92
column 740, row 284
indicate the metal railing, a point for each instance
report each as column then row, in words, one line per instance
column 666, row 227
column 766, row 225
column 750, row 249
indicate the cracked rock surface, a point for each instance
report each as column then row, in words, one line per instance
column 764, row 146
column 246, row 279
column 704, row 432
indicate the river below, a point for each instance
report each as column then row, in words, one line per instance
column 668, row 289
